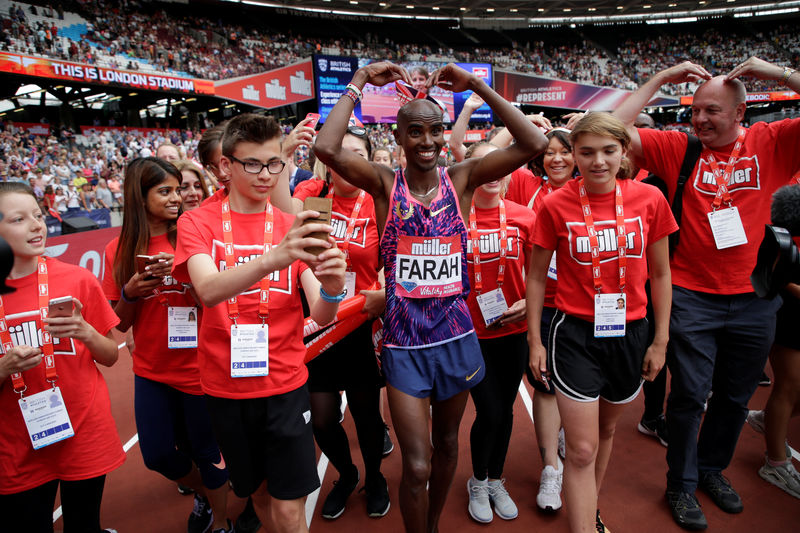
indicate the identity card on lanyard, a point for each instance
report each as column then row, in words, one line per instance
column 350, row 275
column 493, row 303
column 249, row 342
column 726, row 224
column 181, row 327
column 609, row 308
column 45, row 413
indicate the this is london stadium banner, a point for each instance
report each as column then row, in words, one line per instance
column 275, row 88
column 79, row 72
column 529, row 89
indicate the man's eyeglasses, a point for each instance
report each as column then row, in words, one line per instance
column 255, row 167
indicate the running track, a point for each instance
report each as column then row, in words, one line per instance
column 632, row 500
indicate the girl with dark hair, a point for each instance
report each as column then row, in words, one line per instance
column 350, row 365
column 51, row 365
column 175, row 433
column 597, row 353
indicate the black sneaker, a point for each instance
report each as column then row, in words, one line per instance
column 686, row 510
column 721, row 492
column 337, row 497
column 377, row 496
column 656, row 428
column 202, row 517
column 764, row 380
column 388, row 445
column 184, row 490
column 599, row 526
column 248, row 521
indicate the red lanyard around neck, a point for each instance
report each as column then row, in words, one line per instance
column 622, row 240
column 47, row 342
column 723, row 178
column 476, row 251
column 230, row 261
column 351, row 224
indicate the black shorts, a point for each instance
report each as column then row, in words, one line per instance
column 787, row 327
column 547, row 319
column 267, row 439
column 585, row 368
column 349, row 364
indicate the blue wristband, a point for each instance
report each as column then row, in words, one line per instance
column 331, row 299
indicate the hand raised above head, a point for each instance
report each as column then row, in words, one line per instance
column 381, row 73
column 450, row 77
column 683, row 72
column 756, row 68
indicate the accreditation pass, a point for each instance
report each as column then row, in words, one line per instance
column 46, row 417
column 249, row 350
column 609, row 315
column 727, row 228
column 182, row 327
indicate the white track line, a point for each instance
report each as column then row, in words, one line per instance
column 322, row 466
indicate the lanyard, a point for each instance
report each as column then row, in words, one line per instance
column 230, row 262
column 622, row 241
column 723, row 178
column 351, row 224
column 47, row 342
column 476, row 251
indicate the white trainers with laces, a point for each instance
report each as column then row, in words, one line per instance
column 756, row 420
column 479, row 508
column 504, row 506
column 784, row 477
column 549, row 497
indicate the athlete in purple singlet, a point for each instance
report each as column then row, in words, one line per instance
column 431, row 356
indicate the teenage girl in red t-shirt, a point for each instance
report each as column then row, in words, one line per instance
column 30, row 475
column 598, row 337
column 350, row 365
column 174, row 429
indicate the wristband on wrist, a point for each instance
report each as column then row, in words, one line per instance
column 787, row 73
column 352, row 92
column 332, row 299
column 125, row 297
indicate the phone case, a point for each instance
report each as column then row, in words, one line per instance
column 324, row 206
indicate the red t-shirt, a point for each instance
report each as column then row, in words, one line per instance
column 200, row 232
column 560, row 226
column 520, row 222
column 363, row 254
column 526, row 189
column 768, row 160
column 217, row 197
column 152, row 359
column 96, row 448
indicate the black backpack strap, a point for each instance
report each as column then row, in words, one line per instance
column 693, row 149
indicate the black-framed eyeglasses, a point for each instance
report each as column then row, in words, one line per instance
column 358, row 131
column 255, row 167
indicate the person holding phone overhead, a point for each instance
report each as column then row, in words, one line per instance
column 431, row 356
column 57, row 431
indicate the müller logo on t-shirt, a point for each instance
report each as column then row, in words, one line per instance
column 745, row 175
column 581, row 249
column 24, row 330
column 489, row 244
column 280, row 279
column 339, row 224
column 428, row 267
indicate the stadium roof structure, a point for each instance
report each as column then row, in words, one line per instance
column 524, row 13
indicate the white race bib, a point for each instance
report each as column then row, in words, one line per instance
column 46, row 418
column 249, row 350
column 727, row 228
column 609, row 315
column 428, row 267
column 492, row 305
column 182, row 327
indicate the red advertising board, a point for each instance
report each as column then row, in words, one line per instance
column 68, row 71
column 36, row 128
column 777, row 96
column 83, row 249
column 275, row 88
column 528, row 89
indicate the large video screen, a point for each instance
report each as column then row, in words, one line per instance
column 380, row 104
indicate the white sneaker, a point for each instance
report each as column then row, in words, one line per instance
column 784, row 477
column 562, row 444
column 504, row 506
column 549, row 497
column 756, row 420
column 479, row 507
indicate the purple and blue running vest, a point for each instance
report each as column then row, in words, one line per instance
column 424, row 256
